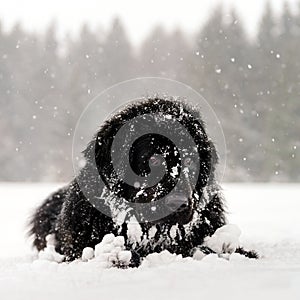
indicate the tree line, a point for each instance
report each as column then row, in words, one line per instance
column 252, row 83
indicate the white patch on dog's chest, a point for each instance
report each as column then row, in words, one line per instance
column 152, row 232
column 134, row 231
column 173, row 231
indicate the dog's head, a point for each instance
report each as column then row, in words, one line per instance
column 156, row 151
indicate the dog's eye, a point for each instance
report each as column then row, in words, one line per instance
column 155, row 161
column 187, row 162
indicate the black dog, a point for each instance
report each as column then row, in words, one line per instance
column 83, row 212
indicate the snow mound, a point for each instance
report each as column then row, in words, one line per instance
column 224, row 240
column 49, row 252
column 160, row 259
column 87, row 254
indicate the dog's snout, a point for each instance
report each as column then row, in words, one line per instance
column 177, row 202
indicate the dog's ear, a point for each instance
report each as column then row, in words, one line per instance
column 99, row 147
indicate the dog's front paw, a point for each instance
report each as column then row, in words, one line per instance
column 111, row 251
column 224, row 240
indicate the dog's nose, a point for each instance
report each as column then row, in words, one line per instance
column 177, row 201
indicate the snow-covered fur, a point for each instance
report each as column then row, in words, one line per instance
column 71, row 214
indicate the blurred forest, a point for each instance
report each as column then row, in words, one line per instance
column 253, row 84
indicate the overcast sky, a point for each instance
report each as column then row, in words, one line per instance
column 139, row 17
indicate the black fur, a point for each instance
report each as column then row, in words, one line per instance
column 72, row 215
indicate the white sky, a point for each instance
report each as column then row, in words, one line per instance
column 139, row 17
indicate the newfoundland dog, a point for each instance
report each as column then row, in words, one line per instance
column 149, row 176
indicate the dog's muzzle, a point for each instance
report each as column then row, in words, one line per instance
column 177, row 202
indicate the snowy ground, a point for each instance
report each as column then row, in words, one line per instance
column 268, row 216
